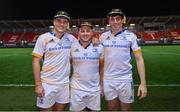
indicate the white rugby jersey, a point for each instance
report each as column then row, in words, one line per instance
column 117, row 54
column 86, row 67
column 56, row 57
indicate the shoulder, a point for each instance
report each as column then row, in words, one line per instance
column 44, row 37
column 75, row 44
column 71, row 37
column 105, row 35
column 127, row 32
column 130, row 34
column 99, row 47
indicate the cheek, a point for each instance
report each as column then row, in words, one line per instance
column 65, row 25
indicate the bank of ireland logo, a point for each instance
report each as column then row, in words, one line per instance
column 113, row 42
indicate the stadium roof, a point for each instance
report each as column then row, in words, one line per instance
column 45, row 9
column 33, row 24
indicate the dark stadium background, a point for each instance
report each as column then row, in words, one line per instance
column 45, row 9
column 26, row 19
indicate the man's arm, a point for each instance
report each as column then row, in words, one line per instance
column 142, row 90
column 101, row 72
column 37, row 80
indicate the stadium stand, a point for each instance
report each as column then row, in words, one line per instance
column 150, row 30
column 31, row 37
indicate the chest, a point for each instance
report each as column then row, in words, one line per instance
column 117, row 43
column 85, row 54
column 58, row 45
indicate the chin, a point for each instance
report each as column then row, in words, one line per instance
column 60, row 30
column 84, row 40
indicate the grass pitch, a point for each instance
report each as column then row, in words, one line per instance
column 162, row 74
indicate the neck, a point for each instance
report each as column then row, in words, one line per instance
column 84, row 44
column 114, row 31
column 58, row 34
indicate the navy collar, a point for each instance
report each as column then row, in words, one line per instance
column 53, row 34
column 82, row 44
column 123, row 29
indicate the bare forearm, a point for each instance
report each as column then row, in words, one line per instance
column 141, row 70
column 36, row 72
column 101, row 76
column 101, row 71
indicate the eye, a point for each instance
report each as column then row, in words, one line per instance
column 111, row 19
column 118, row 18
column 82, row 31
column 62, row 21
column 88, row 30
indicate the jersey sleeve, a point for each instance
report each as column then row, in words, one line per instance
column 73, row 39
column 39, row 48
column 102, row 37
column 134, row 43
column 101, row 51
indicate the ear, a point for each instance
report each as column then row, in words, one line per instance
column 124, row 20
column 54, row 22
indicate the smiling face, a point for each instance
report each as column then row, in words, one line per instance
column 85, row 33
column 116, row 22
column 60, row 25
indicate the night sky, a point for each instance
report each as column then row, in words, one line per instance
column 45, row 9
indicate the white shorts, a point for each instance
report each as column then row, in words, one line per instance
column 53, row 94
column 122, row 90
column 81, row 99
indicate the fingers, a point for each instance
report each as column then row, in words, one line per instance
column 40, row 94
column 102, row 92
column 142, row 94
column 40, row 91
column 138, row 94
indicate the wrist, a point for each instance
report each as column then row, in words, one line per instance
column 144, row 84
column 38, row 83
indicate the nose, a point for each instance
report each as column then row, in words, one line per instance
column 115, row 20
column 61, row 23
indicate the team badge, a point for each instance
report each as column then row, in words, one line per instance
column 95, row 50
column 85, row 54
column 66, row 39
column 122, row 38
column 113, row 42
column 60, row 42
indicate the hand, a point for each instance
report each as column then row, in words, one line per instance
column 102, row 92
column 142, row 91
column 39, row 90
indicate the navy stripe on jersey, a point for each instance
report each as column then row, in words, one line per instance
column 52, row 33
column 119, row 32
column 86, row 46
